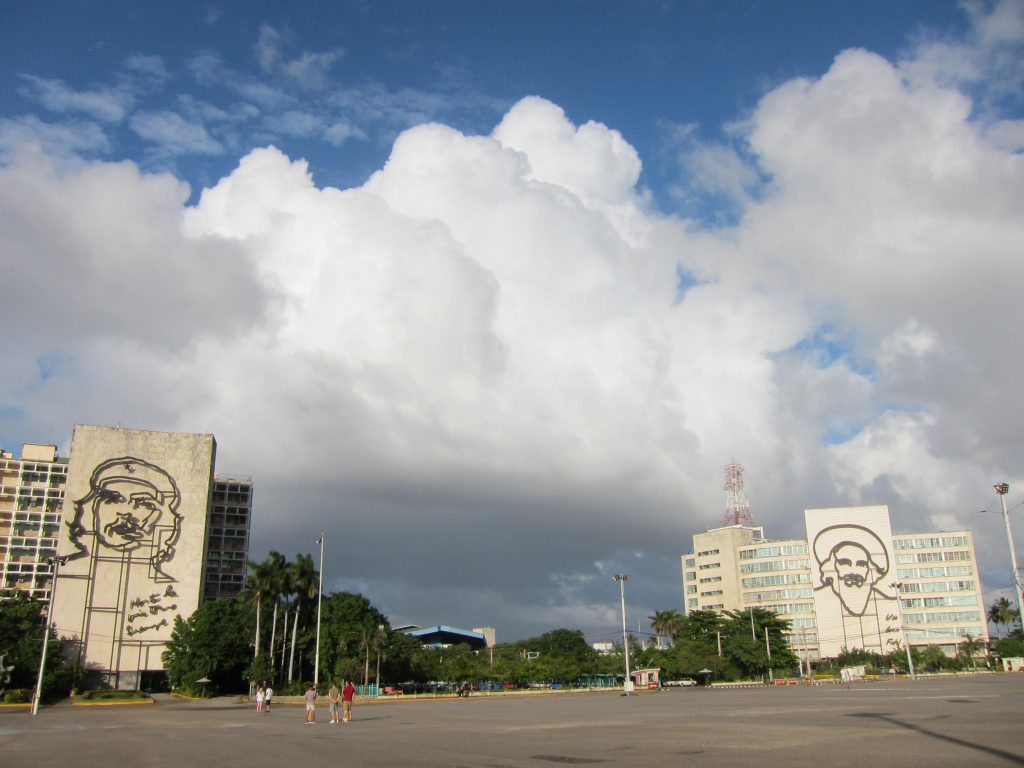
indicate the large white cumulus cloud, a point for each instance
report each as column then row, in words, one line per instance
column 496, row 346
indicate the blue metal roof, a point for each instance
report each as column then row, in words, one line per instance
column 444, row 635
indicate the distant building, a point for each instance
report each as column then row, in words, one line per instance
column 31, row 499
column 442, row 636
column 839, row 587
column 227, row 539
column 148, row 531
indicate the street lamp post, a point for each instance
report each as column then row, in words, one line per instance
column 55, row 561
column 622, row 578
column 1002, row 489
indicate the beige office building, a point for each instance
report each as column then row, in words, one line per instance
column 144, row 529
column 31, row 499
column 846, row 585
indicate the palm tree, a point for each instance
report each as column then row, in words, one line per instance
column 1002, row 612
column 666, row 623
column 278, row 584
column 970, row 647
column 257, row 590
column 305, row 581
column 380, row 641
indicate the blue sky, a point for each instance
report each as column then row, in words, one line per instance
column 520, row 279
column 643, row 68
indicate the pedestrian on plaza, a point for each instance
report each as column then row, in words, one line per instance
column 260, row 695
column 333, row 696
column 844, row 677
column 266, row 699
column 311, row 705
column 346, row 701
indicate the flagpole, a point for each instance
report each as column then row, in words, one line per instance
column 319, row 598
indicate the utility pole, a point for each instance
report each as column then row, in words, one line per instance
column 768, row 647
column 1002, row 489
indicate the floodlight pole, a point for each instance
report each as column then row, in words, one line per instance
column 56, row 561
column 1002, row 489
column 319, row 599
column 622, row 578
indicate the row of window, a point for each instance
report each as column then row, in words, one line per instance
column 930, row 542
column 774, row 565
column 709, row 579
column 945, row 617
column 711, row 593
column 777, row 594
column 924, row 573
column 776, row 580
column 933, row 557
column 707, row 566
column 939, row 586
column 707, row 552
column 774, row 551
column 785, row 608
column 924, row 634
column 936, row 602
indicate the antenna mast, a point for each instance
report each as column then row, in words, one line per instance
column 737, row 508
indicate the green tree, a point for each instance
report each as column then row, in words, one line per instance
column 258, row 588
column 969, row 649
column 213, row 642
column 668, row 623
column 1002, row 612
column 278, row 573
column 745, row 645
column 305, row 582
column 21, row 641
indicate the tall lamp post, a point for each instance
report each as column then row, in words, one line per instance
column 319, row 598
column 56, row 562
column 1002, row 489
column 622, row 578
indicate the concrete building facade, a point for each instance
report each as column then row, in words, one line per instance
column 846, row 585
column 31, row 499
column 139, row 531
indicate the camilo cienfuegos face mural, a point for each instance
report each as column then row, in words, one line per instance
column 854, row 595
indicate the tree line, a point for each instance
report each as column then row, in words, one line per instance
column 268, row 635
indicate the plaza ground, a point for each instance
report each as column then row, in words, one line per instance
column 969, row 721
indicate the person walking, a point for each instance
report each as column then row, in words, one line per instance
column 347, row 695
column 333, row 696
column 259, row 700
column 311, row 705
column 266, row 699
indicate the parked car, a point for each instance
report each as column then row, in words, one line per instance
column 682, row 682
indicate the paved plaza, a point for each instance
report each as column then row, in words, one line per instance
column 972, row 721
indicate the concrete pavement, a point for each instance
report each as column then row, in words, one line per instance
column 975, row 721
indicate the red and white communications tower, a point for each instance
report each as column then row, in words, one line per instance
column 737, row 508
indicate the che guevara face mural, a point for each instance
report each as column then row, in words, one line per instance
column 131, row 507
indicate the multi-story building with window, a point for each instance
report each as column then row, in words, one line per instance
column 227, row 537
column 31, row 498
column 839, row 587
column 137, row 529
